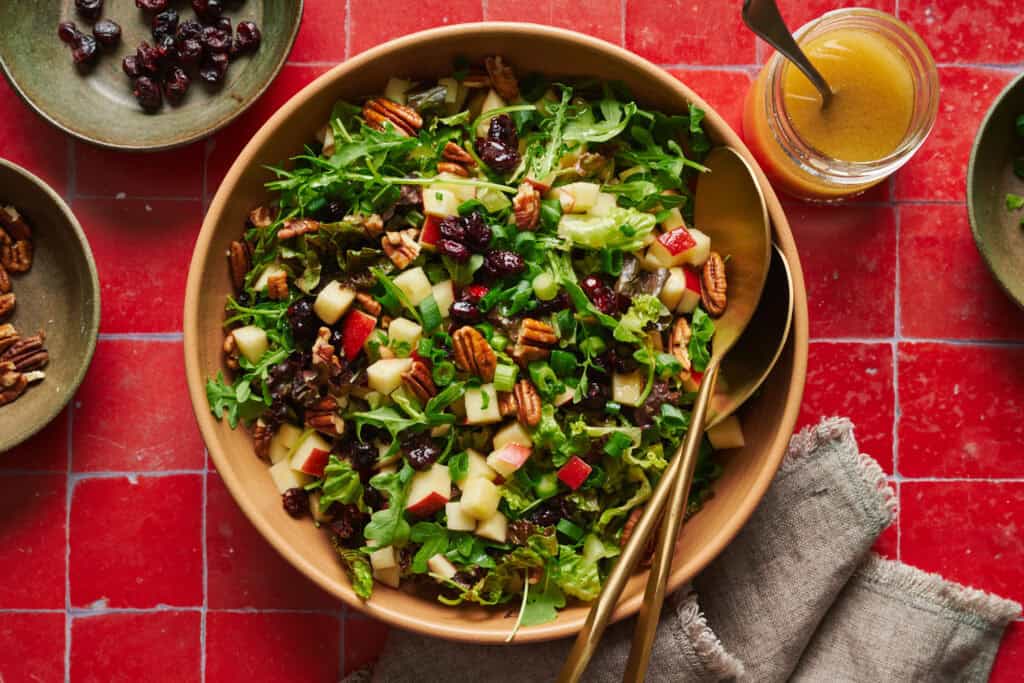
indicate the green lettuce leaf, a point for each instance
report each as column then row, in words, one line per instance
column 639, row 497
column 341, row 484
column 645, row 309
column 388, row 526
column 434, row 541
column 702, row 330
column 576, row 576
column 620, row 228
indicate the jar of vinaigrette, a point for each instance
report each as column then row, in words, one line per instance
column 886, row 96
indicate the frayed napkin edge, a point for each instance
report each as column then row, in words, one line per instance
column 982, row 609
column 691, row 630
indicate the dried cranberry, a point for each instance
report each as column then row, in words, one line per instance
column 176, row 85
column 502, row 129
column 167, row 53
column 620, row 358
column 478, row 233
column 501, row 263
column 498, row 156
column 89, row 9
column 600, row 294
column 348, row 524
column 331, row 212
column 596, row 395
column 67, row 31
column 223, row 23
column 107, row 32
column 164, row 24
column 295, row 501
column 364, row 456
column 216, row 40
column 189, row 30
column 452, row 228
column 247, row 36
column 214, row 68
column 207, row 10
column 303, row 320
column 421, row 452
column 661, row 393
column 453, row 250
column 130, row 66
column 148, row 58
column 473, row 293
column 147, row 92
column 152, row 5
column 190, row 52
column 465, row 312
column 559, row 303
column 84, row 51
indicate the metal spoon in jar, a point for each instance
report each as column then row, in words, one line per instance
column 730, row 207
column 763, row 18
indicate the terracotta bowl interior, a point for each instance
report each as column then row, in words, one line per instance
column 768, row 419
column 97, row 106
column 998, row 232
column 59, row 295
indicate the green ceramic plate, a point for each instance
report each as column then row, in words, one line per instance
column 59, row 295
column 999, row 233
column 99, row 107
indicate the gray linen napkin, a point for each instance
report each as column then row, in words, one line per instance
column 796, row 596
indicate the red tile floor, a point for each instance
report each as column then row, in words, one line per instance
column 127, row 558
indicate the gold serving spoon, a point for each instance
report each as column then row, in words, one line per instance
column 731, row 209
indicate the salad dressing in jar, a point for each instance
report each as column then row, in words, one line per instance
column 885, row 101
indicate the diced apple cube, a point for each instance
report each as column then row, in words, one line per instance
column 670, row 248
column 283, row 441
column 404, row 330
column 384, row 558
column 691, row 292
column 415, row 285
column 451, row 87
column 311, row 454
column 429, row 491
column 392, row 576
column 576, row 197
column 699, row 252
column 480, row 499
column 604, row 204
column 395, row 89
column 627, row 388
column 513, row 432
column 564, row 397
column 458, row 520
column 494, row 528
column 727, row 434
column 674, row 220
column 386, row 374
column 440, row 203
column 478, row 467
column 285, row 477
column 332, row 302
column 430, row 232
column 251, row 341
column 672, row 290
column 574, row 472
column 649, row 263
column 509, row 458
column 444, row 297
column 492, row 101
column 356, row 328
column 482, row 405
column 439, row 564
column 268, row 272
column 451, row 183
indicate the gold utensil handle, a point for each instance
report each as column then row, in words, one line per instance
column 602, row 609
column 654, row 595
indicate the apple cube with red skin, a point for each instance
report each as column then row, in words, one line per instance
column 691, row 292
column 311, row 454
column 356, row 328
column 670, row 248
column 429, row 491
column 509, row 458
column 430, row 233
column 574, row 472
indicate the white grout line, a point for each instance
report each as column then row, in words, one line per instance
column 744, row 68
column 895, row 349
column 143, row 336
column 140, row 198
column 67, row 546
column 1005, row 343
column 206, row 578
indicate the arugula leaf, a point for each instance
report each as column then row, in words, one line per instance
column 388, row 526
column 357, row 566
column 1014, row 202
column 434, row 540
column 615, row 117
column 384, row 417
column 393, row 290
column 702, row 330
column 546, row 161
column 224, row 401
column 645, row 309
column 341, row 484
column 542, row 604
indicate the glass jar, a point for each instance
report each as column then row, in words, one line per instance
column 797, row 167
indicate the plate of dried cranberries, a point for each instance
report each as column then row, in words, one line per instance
column 144, row 74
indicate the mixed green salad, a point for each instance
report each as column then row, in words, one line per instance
column 466, row 332
column 1015, row 202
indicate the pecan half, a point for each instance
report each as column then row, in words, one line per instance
column 5, row 281
column 473, row 354
column 454, row 153
column 23, row 349
column 401, row 246
column 261, row 217
column 325, row 359
column 503, row 78
column 240, row 261
column 324, row 418
column 419, row 381
column 590, row 164
column 678, row 342
column 29, row 361
column 528, row 405
column 372, row 224
column 368, row 304
column 277, row 286
column 12, row 383
column 261, row 436
column 7, row 303
column 507, row 403
column 403, row 119
column 535, row 341
column 230, row 348
column 295, row 227
column 713, row 285
column 627, row 532
column 17, row 257
column 452, row 168
column 14, row 224
column 8, row 336
column 526, row 207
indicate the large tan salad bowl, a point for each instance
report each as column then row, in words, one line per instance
column 768, row 419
